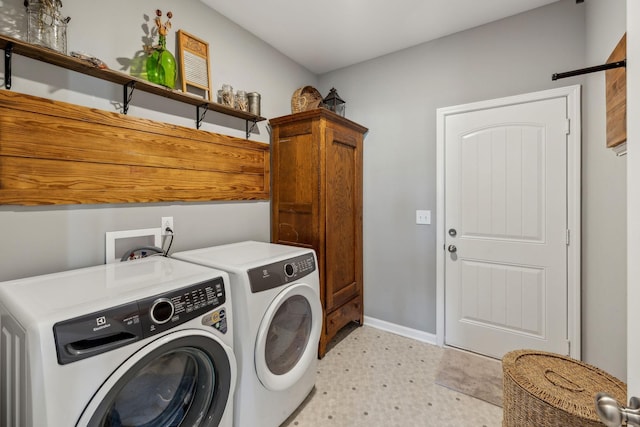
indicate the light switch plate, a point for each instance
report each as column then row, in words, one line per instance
column 423, row 217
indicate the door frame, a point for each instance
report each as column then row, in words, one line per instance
column 572, row 93
column 633, row 200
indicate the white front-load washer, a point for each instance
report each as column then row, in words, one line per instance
column 139, row 343
column 275, row 291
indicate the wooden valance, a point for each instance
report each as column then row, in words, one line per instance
column 56, row 153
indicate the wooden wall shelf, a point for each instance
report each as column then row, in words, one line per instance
column 128, row 82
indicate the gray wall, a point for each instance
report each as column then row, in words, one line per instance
column 633, row 197
column 604, row 204
column 39, row 240
column 397, row 95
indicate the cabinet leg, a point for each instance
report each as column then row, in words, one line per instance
column 322, row 346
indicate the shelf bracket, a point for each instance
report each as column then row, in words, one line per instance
column 200, row 117
column 128, row 94
column 248, row 129
column 8, row 52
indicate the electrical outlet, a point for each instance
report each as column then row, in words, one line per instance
column 167, row 222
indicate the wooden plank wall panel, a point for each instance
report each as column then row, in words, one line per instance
column 58, row 153
column 616, row 96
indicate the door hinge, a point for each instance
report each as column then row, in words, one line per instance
column 567, row 126
column 568, row 237
column 568, row 348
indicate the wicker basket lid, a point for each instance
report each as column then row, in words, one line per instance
column 562, row 382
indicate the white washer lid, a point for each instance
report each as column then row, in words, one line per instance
column 241, row 255
column 83, row 290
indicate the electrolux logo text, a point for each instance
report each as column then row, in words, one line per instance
column 101, row 323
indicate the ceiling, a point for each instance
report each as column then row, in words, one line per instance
column 327, row 35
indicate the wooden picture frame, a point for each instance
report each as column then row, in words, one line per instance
column 616, row 96
column 194, row 65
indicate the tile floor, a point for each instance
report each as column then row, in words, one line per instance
column 375, row 378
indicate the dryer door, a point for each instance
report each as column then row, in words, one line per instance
column 184, row 378
column 288, row 336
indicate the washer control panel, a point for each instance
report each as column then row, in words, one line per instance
column 279, row 273
column 166, row 311
column 108, row 329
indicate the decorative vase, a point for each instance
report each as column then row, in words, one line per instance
column 161, row 65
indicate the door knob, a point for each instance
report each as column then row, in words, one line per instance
column 612, row 414
column 452, row 248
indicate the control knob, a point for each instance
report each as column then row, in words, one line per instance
column 289, row 270
column 161, row 311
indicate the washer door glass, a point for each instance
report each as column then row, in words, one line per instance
column 163, row 391
column 288, row 334
column 185, row 382
column 287, row 341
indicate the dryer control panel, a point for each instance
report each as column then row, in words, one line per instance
column 279, row 273
column 108, row 329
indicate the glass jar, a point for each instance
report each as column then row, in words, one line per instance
column 46, row 26
column 227, row 96
column 242, row 102
column 254, row 103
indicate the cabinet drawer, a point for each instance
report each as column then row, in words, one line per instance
column 350, row 311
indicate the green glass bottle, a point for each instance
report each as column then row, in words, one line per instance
column 161, row 65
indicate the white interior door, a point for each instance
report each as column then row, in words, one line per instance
column 506, row 231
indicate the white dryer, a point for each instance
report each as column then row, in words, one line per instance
column 276, row 298
column 138, row 343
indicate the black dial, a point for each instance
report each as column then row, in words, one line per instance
column 161, row 311
column 289, row 270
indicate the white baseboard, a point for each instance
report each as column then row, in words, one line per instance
column 401, row 330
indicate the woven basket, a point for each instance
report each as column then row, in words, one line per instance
column 544, row 389
column 305, row 98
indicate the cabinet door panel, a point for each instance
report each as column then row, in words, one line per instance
column 295, row 227
column 342, row 213
column 297, row 175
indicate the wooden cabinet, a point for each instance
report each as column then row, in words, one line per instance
column 317, row 203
